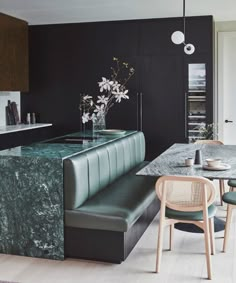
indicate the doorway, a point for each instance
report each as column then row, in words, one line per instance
column 227, row 87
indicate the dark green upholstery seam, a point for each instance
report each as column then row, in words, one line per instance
column 89, row 193
column 99, row 175
column 109, row 161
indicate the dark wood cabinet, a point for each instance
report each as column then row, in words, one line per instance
column 155, row 36
column 163, row 102
column 13, row 54
column 161, row 77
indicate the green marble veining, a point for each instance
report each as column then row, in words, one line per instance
column 60, row 150
column 31, row 207
column 31, row 196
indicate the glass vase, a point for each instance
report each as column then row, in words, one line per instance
column 99, row 124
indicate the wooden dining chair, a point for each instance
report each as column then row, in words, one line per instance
column 230, row 199
column 186, row 199
column 221, row 182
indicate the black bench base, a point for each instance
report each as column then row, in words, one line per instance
column 108, row 246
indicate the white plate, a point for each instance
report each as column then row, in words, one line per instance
column 112, row 132
column 221, row 167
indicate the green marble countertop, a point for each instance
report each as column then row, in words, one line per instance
column 61, row 150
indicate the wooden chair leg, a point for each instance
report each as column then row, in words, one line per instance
column 172, row 227
column 227, row 226
column 207, row 246
column 159, row 244
column 212, row 235
column 222, row 190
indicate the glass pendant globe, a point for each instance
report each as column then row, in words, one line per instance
column 189, row 49
column 177, row 37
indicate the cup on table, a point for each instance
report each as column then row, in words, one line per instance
column 211, row 162
column 189, row 161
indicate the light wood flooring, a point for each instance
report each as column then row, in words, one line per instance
column 185, row 264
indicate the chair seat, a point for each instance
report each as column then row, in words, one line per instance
column 230, row 198
column 118, row 206
column 232, row 183
column 190, row 215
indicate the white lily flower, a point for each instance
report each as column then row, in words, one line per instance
column 85, row 118
column 86, row 97
column 116, row 86
column 120, row 94
column 105, row 84
column 100, row 109
column 102, row 99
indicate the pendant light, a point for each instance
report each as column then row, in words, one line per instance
column 178, row 37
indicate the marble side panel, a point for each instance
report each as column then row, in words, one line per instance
column 171, row 162
column 31, row 207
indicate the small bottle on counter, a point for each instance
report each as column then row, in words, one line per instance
column 33, row 118
column 28, row 118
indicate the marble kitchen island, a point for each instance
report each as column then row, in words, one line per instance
column 31, row 194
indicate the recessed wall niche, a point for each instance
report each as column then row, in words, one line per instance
column 4, row 97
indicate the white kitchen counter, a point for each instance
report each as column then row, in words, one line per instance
column 21, row 127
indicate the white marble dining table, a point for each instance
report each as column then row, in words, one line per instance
column 172, row 161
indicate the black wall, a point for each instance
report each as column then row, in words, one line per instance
column 69, row 59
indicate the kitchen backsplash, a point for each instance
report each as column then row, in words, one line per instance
column 4, row 97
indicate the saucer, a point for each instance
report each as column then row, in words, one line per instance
column 221, row 167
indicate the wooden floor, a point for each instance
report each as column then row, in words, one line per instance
column 186, row 263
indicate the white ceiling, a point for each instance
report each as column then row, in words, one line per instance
column 70, row 11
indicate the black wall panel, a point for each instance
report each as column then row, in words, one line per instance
column 69, row 59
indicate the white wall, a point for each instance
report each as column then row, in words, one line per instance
column 4, row 97
column 220, row 26
column 225, row 26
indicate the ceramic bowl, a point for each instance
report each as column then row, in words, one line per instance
column 213, row 162
column 189, row 161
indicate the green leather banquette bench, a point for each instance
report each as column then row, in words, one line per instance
column 107, row 207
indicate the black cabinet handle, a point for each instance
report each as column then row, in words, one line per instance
column 185, row 116
column 141, row 111
column 137, row 111
column 228, row 121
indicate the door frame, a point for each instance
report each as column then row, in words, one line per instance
column 221, row 37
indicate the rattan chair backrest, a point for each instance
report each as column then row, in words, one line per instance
column 185, row 193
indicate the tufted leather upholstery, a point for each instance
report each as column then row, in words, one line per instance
column 88, row 173
column 101, row 188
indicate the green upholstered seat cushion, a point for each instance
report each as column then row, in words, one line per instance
column 116, row 207
column 230, row 198
column 190, row 215
column 232, row 183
